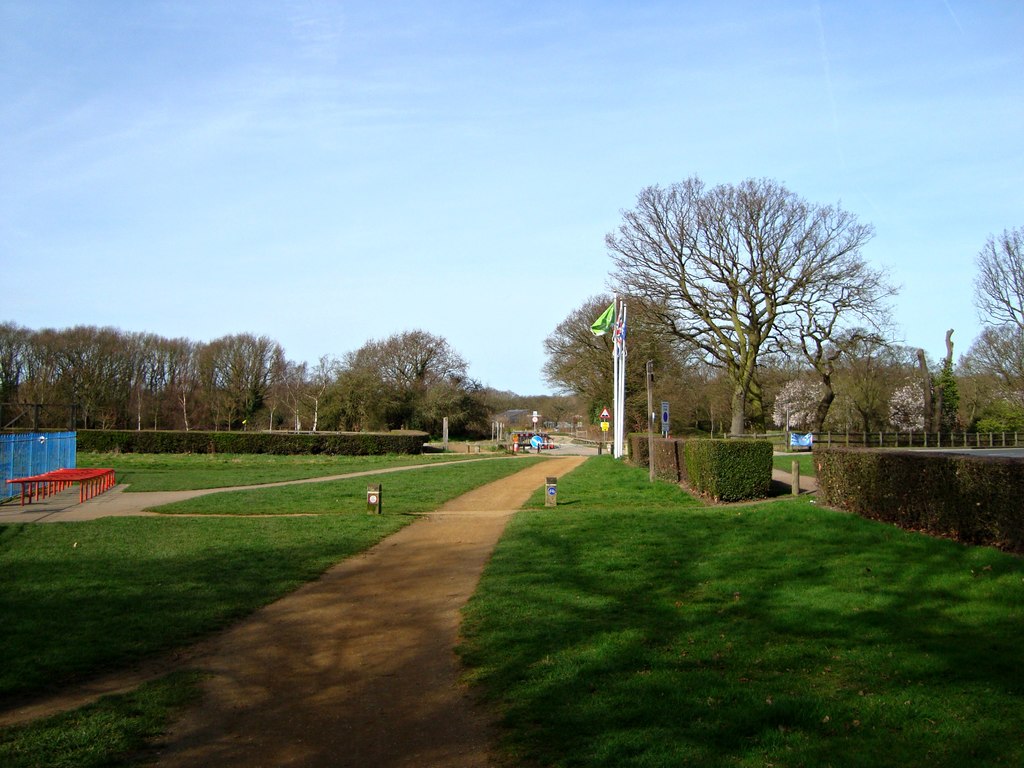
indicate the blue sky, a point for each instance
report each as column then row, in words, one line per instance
column 329, row 172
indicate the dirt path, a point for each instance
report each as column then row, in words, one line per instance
column 358, row 667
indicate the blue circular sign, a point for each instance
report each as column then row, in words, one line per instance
column 552, row 490
column 537, row 441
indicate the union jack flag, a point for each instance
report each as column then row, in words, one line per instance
column 619, row 334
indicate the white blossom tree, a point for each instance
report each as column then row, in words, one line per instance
column 906, row 407
column 796, row 404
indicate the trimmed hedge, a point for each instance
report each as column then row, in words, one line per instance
column 972, row 499
column 729, row 470
column 668, row 456
column 726, row 470
column 283, row 443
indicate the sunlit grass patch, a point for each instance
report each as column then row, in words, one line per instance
column 661, row 634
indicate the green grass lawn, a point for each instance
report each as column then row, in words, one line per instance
column 114, row 731
column 79, row 598
column 633, row 627
column 178, row 472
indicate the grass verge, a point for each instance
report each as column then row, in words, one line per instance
column 417, row 490
column 632, row 627
column 114, row 731
column 181, row 472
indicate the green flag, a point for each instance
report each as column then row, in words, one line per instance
column 604, row 323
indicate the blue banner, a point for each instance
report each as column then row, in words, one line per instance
column 801, row 441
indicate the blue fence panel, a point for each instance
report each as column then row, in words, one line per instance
column 23, row 455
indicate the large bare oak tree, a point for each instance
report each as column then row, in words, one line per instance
column 732, row 270
column 999, row 286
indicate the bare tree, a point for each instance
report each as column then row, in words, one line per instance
column 999, row 286
column 999, row 353
column 727, row 270
column 324, row 374
column 14, row 349
column 388, row 381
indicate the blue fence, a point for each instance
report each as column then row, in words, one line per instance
column 23, row 455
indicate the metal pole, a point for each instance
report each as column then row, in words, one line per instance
column 650, row 417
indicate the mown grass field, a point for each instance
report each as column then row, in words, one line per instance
column 632, row 627
column 79, row 599
column 177, row 472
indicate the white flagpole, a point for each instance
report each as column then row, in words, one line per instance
column 622, row 384
column 620, row 346
column 615, row 387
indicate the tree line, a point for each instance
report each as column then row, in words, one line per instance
column 108, row 378
column 759, row 310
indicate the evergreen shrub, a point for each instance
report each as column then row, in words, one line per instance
column 973, row 499
column 729, row 470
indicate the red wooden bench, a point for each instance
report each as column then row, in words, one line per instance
column 91, row 482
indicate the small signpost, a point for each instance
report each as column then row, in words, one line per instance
column 664, row 418
column 373, row 498
column 551, row 492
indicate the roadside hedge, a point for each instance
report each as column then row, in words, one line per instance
column 331, row 443
column 725, row 470
column 972, row 499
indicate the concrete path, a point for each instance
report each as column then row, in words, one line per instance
column 784, row 478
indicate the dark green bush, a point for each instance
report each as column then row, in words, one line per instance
column 729, row 470
column 973, row 499
column 331, row 443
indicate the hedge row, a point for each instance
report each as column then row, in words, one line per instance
column 332, row 443
column 725, row 470
column 730, row 470
column 973, row 499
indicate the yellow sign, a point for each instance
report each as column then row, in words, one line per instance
column 604, row 426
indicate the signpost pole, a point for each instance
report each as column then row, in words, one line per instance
column 650, row 417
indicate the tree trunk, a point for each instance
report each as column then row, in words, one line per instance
column 821, row 412
column 926, row 385
column 739, row 409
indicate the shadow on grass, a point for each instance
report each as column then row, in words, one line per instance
column 736, row 636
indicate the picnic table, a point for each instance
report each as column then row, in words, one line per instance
column 91, row 482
